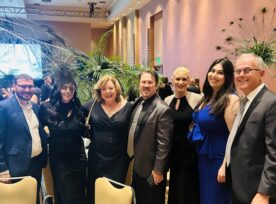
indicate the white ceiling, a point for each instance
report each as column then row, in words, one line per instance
column 115, row 8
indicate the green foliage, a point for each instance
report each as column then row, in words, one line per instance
column 256, row 36
column 95, row 64
column 264, row 49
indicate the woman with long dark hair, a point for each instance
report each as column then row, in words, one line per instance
column 214, row 118
column 65, row 121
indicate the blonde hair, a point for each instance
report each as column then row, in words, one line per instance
column 181, row 69
column 101, row 83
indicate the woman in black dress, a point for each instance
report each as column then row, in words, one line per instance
column 65, row 121
column 109, row 120
column 184, row 187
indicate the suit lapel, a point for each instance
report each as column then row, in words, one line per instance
column 250, row 109
column 20, row 114
column 145, row 117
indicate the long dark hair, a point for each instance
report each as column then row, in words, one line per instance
column 56, row 107
column 220, row 100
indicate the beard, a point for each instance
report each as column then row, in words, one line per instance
column 26, row 96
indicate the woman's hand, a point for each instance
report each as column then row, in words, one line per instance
column 221, row 173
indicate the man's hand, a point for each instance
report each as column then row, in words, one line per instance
column 157, row 177
column 260, row 198
column 4, row 178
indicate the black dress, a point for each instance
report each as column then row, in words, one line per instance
column 107, row 154
column 184, row 184
column 66, row 155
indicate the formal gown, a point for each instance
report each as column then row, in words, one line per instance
column 107, row 154
column 66, row 155
column 184, row 187
column 211, row 152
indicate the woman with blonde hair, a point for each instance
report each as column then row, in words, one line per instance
column 183, row 169
column 109, row 122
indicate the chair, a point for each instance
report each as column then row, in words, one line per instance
column 47, row 189
column 21, row 192
column 108, row 191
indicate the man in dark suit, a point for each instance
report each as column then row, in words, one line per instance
column 253, row 150
column 152, row 134
column 46, row 88
column 22, row 139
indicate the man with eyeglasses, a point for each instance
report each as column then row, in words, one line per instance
column 253, row 149
column 23, row 141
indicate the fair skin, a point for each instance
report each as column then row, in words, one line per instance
column 216, row 77
column 229, row 117
column 246, row 83
column 148, row 88
column 180, row 83
column 67, row 93
column 108, row 94
column 24, row 90
column 216, row 80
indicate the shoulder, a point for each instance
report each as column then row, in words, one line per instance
column 233, row 98
column 169, row 99
column 193, row 99
column 7, row 103
column 233, row 104
column 88, row 104
column 269, row 97
column 161, row 106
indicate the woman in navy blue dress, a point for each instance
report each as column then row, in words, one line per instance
column 213, row 120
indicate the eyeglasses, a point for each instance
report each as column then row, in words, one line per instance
column 25, row 86
column 245, row 70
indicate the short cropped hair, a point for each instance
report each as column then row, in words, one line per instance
column 23, row 76
column 181, row 69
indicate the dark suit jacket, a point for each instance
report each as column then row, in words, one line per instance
column 152, row 140
column 16, row 140
column 253, row 152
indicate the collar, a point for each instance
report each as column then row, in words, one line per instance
column 253, row 93
column 149, row 100
column 28, row 106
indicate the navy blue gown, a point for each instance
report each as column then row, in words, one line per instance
column 210, row 155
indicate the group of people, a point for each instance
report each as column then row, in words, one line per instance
column 220, row 146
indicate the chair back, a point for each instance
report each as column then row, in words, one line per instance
column 107, row 193
column 21, row 192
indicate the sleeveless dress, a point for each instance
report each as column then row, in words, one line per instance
column 184, row 187
column 107, row 154
column 211, row 152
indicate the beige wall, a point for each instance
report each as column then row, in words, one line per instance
column 78, row 35
column 192, row 30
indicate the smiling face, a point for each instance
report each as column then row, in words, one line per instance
column 67, row 92
column 247, row 81
column 24, row 89
column 180, row 81
column 108, row 92
column 216, row 77
column 147, row 85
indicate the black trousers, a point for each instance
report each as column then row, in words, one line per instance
column 146, row 194
column 36, row 172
